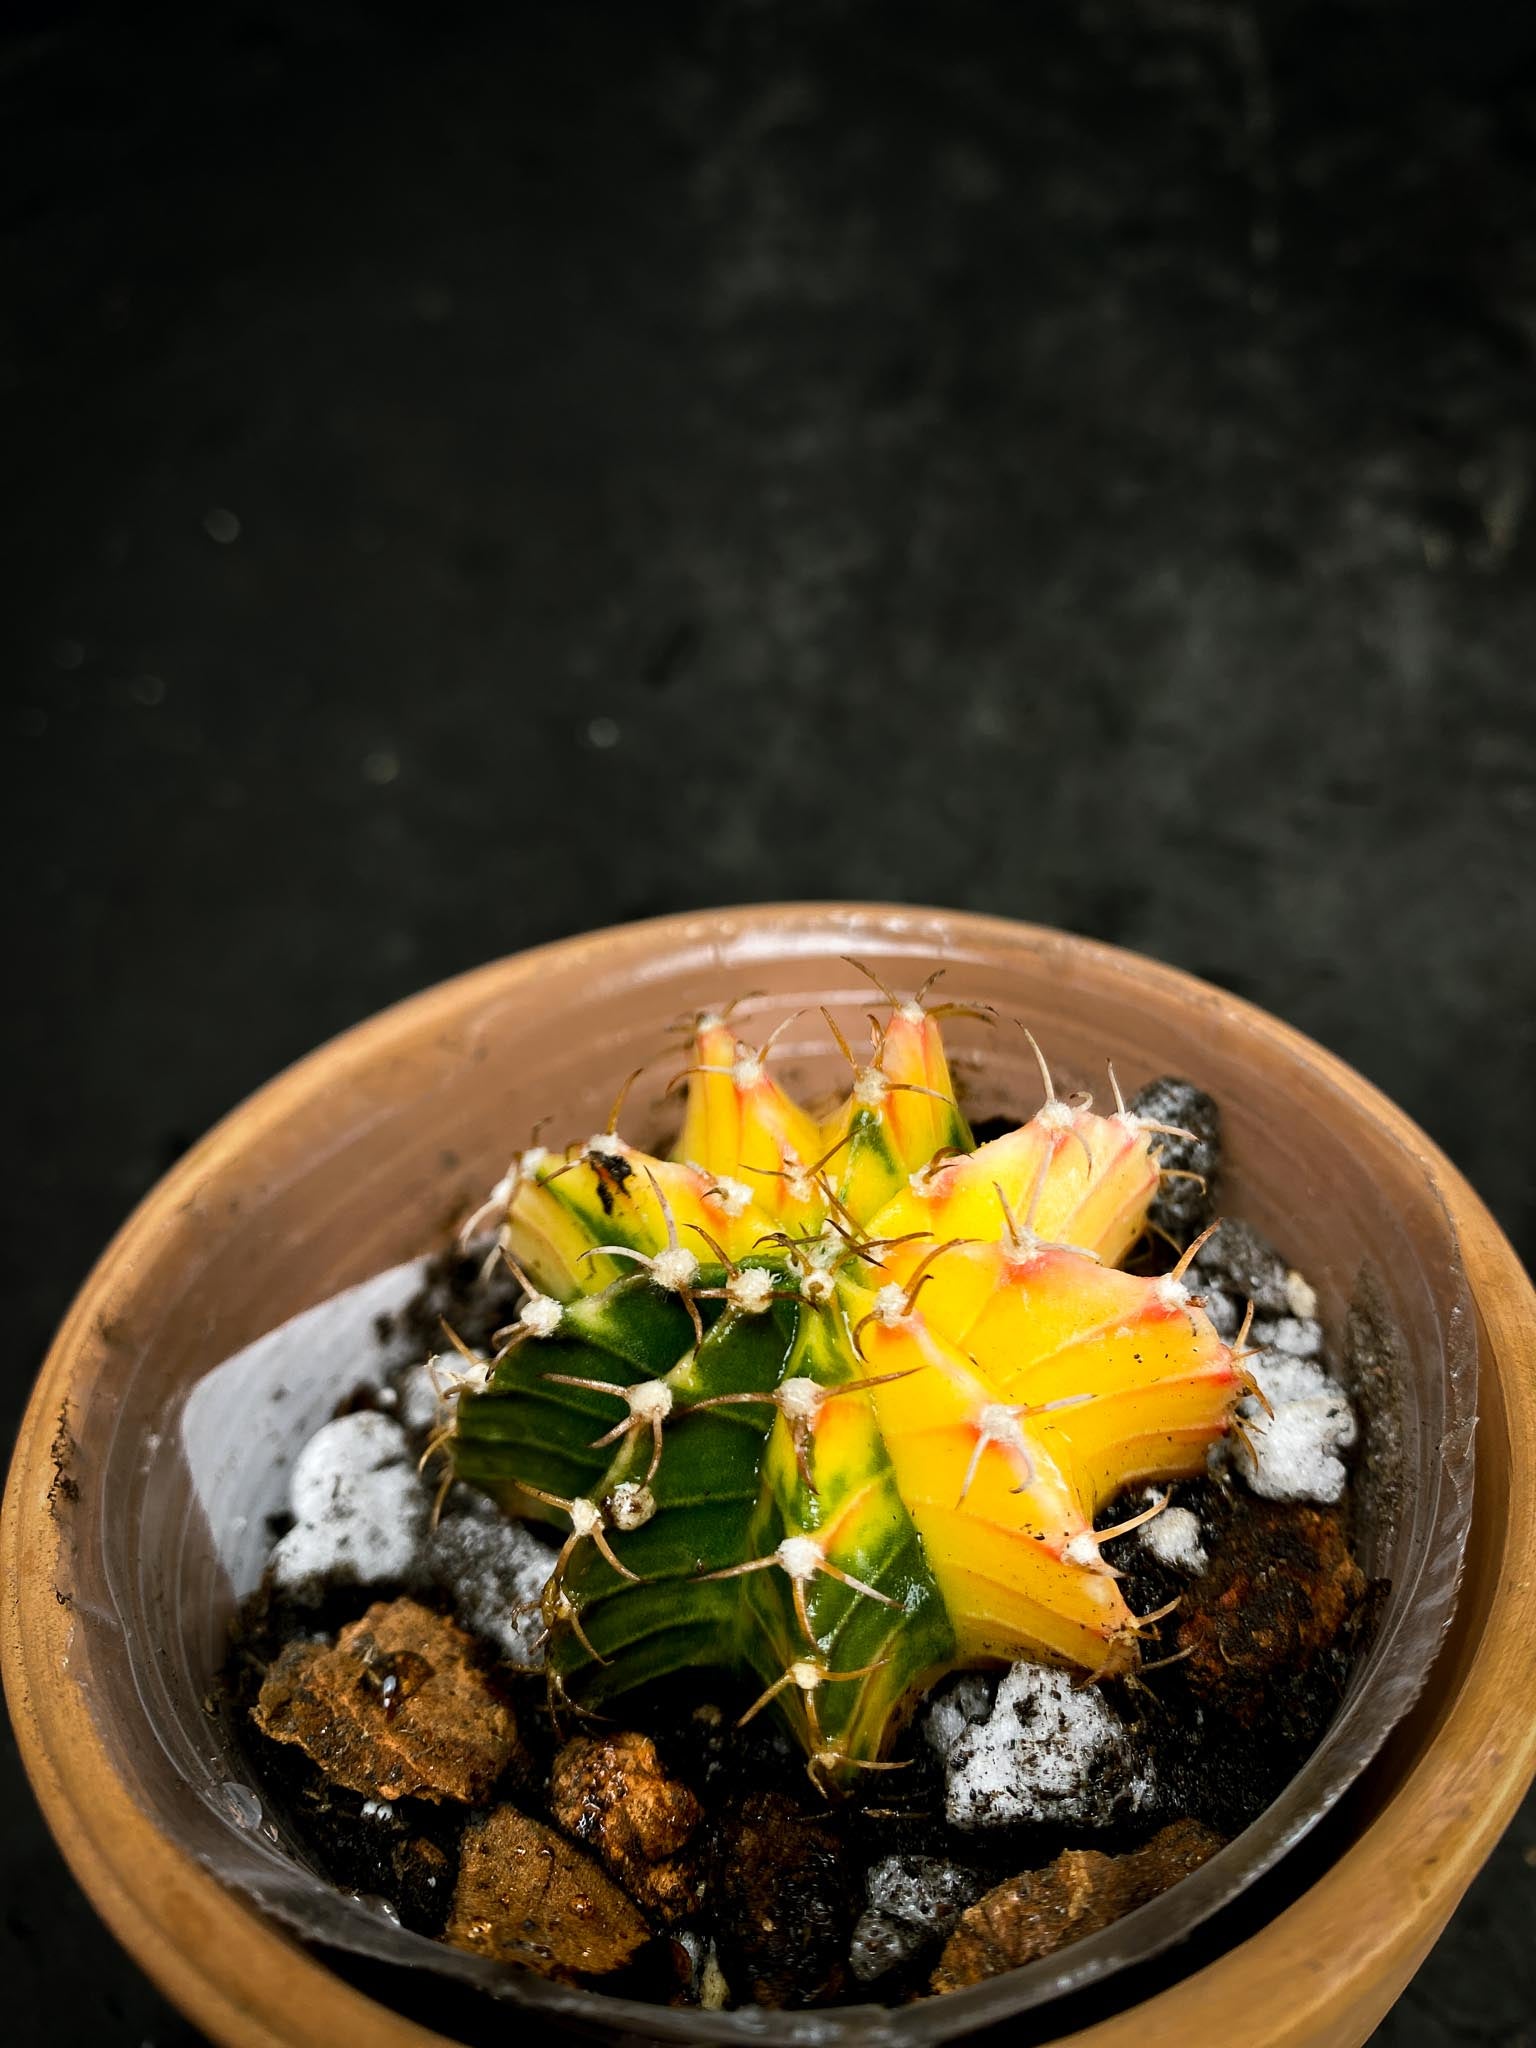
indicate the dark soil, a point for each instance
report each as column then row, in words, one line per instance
column 767, row 1831
column 787, row 1868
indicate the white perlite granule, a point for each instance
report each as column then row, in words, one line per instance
column 1296, row 1452
column 360, row 1511
column 1173, row 1537
column 1294, row 1336
column 1301, row 1296
column 1048, row 1751
column 493, row 1570
column 957, row 1706
column 423, row 1407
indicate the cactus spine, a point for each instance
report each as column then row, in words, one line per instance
column 834, row 1405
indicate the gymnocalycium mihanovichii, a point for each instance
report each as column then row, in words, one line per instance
column 833, row 1404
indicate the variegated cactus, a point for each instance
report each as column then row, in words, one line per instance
column 834, row 1405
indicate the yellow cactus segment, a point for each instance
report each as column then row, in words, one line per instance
column 900, row 1111
column 967, row 1279
column 920, row 1109
column 741, row 1125
column 959, row 1197
column 994, row 1510
column 605, row 1193
column 1012, row 1597
column 1044, row 1327
column 1067, row 1176
column 1160, row 1382
column 549, row 1226
column 1099, row 1186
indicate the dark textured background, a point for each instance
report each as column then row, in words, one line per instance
column 461, row 483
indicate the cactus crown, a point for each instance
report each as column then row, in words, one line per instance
column 833, row 1405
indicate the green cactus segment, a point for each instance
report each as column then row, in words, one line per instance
column 728, row 1490
column 528, row 1431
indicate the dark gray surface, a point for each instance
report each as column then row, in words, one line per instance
column 1071, row 460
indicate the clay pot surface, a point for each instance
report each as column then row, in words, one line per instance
column 366, row 1153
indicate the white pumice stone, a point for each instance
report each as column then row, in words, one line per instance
column 1294, row 1336
column 1173, row 1538
column 1296, row 1451
column 494, row 1571
column 420, row 1401
column 1049, row 1750
column 359, row 1508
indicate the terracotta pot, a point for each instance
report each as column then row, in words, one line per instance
column 362, row 1155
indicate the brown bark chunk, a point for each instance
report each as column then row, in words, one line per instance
column 1269, row 1607
column 527, row 1895
column 784, row 1902
column 397, row 1706
column 611, row 1793
column 1043, row 1910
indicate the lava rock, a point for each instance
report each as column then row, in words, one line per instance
column 397, row 1707
column 423, row 1882
column 880, row 1944
column 1042, row 1911
column 1268, row 1607
column 611, row 1793
column 527, row 1895
column 784, row 1901
column 1243, row 1266
column 1182, row 1207
column 1049, row 1750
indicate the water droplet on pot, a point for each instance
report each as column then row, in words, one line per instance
column 240, row 1804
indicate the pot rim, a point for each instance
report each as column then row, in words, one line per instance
column 264, row 1988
